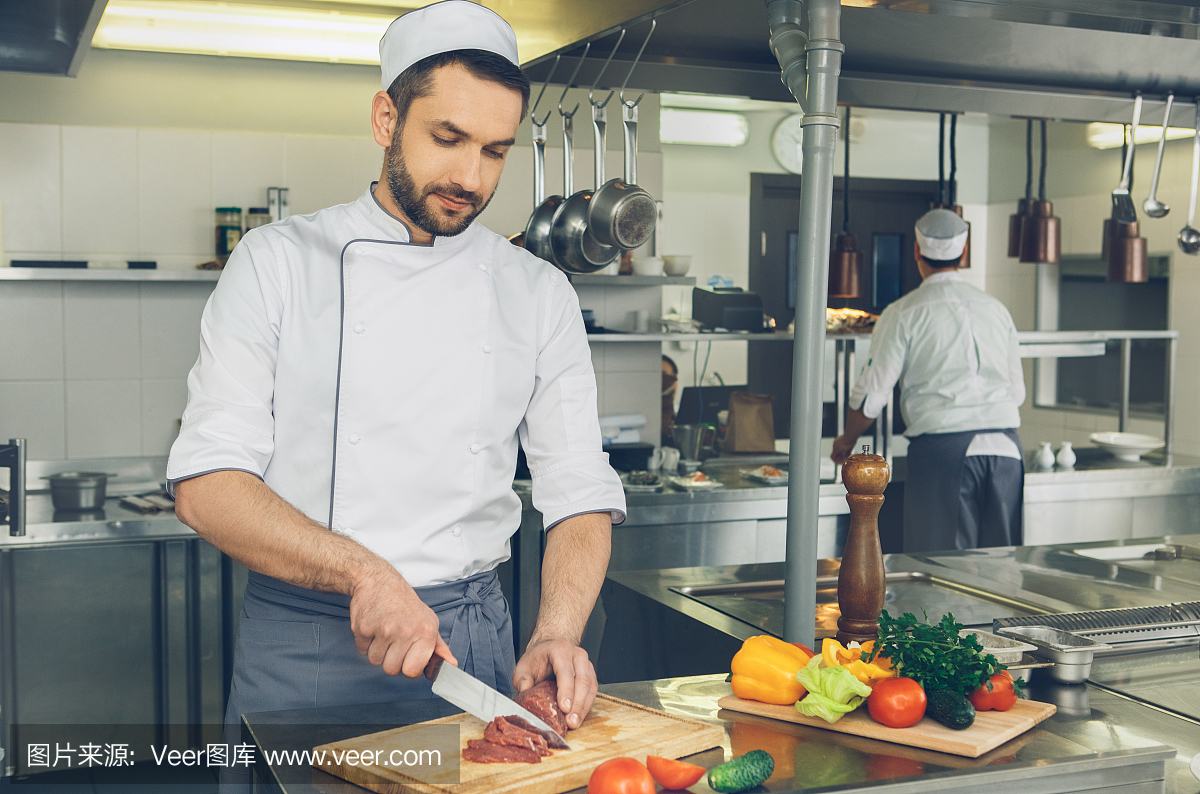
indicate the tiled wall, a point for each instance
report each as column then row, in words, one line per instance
column 94, row 369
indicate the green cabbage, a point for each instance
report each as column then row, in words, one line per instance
column 832, row 691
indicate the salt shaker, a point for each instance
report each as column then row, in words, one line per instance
column 1044, row 459
column 1066, row 456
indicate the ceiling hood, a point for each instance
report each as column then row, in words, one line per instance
column 1066, row 59
column 47, row 36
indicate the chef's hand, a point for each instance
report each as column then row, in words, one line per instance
column 392, row 626
column 842, row 447
column 570, row 666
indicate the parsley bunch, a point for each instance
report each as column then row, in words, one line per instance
column 934, row 655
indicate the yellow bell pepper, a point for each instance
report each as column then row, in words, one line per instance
column 834, row 654
column 765, row 670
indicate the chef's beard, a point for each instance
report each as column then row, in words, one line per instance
column 415, row 204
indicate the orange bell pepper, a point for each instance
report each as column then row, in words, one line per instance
column 765, row 670
column 834, row 654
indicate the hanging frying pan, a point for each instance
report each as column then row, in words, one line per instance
column 537, row 231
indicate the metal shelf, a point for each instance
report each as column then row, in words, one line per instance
column 98, row 274
column 593, row 280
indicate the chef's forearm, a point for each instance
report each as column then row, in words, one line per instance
column 573, row 569
column 857, row 423
column 243, row 517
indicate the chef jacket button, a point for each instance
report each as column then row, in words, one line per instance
column 483, row 267
column 475, row 449
column 487, row 348
column 353, row 439
column 456, row 531
column 359, row 328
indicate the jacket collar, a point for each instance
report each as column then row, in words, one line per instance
column 392, row 228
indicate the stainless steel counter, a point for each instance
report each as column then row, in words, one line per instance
column 1098, row 741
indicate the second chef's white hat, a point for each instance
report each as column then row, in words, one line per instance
column 941, row 235
column 443, row 27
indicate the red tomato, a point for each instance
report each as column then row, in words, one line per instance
column 804, row 648
column 896, row 702
column 1000, row 697
column 673, row 774
column 621, row 776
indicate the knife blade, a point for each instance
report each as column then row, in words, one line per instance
column 481, row 701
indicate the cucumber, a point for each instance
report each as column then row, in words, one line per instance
column 742, row 774
column 950, row 708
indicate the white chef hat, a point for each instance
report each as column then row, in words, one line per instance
column 941, row 235
column 443, row 27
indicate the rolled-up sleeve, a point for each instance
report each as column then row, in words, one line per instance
column 561, row 431
column 889, row 346
column 228, row 423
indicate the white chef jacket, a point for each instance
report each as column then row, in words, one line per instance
column 380, row 387
column 953, row 349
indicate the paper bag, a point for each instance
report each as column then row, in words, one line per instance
column 751, row 426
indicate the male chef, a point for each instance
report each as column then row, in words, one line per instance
column 365, row 373
column 953, row 349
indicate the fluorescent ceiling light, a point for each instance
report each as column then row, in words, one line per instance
column 702, row 127
column 208, row 27
column 1110, row 136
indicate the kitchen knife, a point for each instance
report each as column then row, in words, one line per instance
column 480, row 700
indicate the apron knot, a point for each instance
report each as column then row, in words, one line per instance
column 480, row 612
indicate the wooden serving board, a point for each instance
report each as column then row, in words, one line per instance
column 614, row 728
column 990, row 730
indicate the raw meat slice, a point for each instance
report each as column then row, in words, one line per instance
column 542, row 701
column 503, row 731
column 484, row 752
column 551, row 741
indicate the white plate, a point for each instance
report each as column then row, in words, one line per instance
column 1127, row 446
column 752, row 474
column 688, row 485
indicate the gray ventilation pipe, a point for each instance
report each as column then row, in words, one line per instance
column 810, row 66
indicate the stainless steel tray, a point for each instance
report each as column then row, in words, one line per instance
column 923, row 594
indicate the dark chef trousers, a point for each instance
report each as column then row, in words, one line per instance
column 952, row 501
column 295, row 650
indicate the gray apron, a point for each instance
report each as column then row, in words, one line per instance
column 955, row 502
column 295, row 650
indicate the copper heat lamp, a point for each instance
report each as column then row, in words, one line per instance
column 948, row 189
column 1016, row 221
column 1041, row 230
column 1123, row 246
column 845, row 260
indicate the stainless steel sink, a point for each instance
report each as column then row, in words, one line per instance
column 924, row 594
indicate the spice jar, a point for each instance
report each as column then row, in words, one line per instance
column 229, row 231
column 257, row 216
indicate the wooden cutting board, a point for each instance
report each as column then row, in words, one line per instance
column 990, row 730
column 614, row 728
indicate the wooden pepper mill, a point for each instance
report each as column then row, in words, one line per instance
column 861, row 579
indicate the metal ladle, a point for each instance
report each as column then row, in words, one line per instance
column 1153, row 207
column 1189, row 236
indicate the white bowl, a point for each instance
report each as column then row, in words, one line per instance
column 676, row 264
column 1127, row 446
column 650, row 266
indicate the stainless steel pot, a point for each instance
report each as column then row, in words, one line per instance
column 574, row 250
column 78, row 490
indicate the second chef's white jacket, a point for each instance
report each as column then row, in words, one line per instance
column 380, row 387
column 954, row 350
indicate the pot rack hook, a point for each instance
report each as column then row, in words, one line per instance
column 638, row 57
column 571, row 82
column 538, row 101
column 600, row 74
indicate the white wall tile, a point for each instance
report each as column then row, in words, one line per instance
column 632, row 356
column 175, row 196
column 33, row 410
column 163, row 402
column 32, row 346
column 170, row 327
column 99, row 190
column 101, row 330
column 244, row 166
column 30, row 188
column 322, row 172
column 633, row 393
column 104, row 418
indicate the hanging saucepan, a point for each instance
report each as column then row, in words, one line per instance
column 574, row 250
column 537, row 231
column 622, row 214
